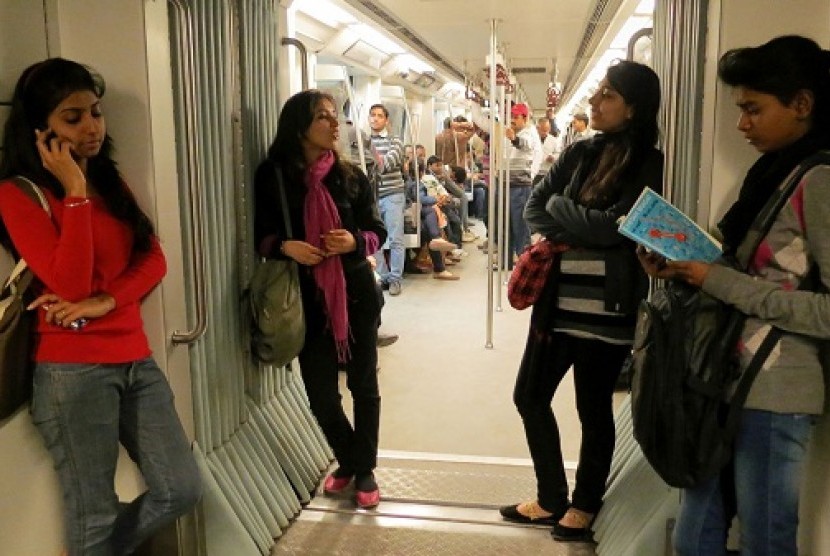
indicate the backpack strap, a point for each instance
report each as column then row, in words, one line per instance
column 759, row 229
column 33, row 192
column 763, row 222
column 736, row 403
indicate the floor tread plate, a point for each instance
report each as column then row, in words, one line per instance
column 366, row 536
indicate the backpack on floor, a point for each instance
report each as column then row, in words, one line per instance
column 687, row 391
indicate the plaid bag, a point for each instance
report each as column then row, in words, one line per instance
column 531, row 272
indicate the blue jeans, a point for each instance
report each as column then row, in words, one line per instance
column 768, row 462
column 83, row 411
column 519, row 236
column 391, row 212
column 479, row 202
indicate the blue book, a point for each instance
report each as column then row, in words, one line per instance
column 661, row 227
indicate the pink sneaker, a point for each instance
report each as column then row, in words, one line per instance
column 367, row 500
column 336, row 485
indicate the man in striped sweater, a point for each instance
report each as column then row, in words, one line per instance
column 389, row 157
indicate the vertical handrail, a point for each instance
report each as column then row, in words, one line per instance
column 303, row 57
column 194, row 179
column 491, row 201
column 504, row 221
column 361, row 155
column 417, row 202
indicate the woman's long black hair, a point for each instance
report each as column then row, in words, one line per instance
column 625, row 149
column 39, row 90
column 295, row 118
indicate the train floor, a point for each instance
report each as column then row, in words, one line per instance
column 431, row 506
column 452, row 445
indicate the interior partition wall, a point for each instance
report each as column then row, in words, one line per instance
column 679, row 57
column 260, row 449
column 640, row 509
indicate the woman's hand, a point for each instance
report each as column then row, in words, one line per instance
column 63, row 313
column 657, row 266
column 302, row 252
column 56, row 157
column 339, row 241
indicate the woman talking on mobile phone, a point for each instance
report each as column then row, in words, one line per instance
column 95, row 257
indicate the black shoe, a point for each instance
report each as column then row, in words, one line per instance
column 511, row 513
column 563, row 533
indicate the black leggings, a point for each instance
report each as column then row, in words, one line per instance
column 355, row 446
column 596, row 367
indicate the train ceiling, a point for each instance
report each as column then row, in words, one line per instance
column 540, row 41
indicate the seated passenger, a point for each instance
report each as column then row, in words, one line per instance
column 451, row 206
column 432, row 197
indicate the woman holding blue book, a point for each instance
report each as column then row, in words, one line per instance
column 782, row 89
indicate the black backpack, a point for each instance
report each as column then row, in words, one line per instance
column 683, row 366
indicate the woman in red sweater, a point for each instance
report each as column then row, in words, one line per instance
column 95, row 257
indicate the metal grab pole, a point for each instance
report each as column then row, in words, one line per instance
column 355, row 127
column 491, row 204
column 194, row 179
column 413, row 134
column 290, row 41
column 504, row 221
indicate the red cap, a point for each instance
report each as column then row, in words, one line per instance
column 519, row 110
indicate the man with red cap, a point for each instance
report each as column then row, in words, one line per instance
column 525, row 157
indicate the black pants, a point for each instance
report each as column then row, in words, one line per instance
column 355, row 446
column 596, row 366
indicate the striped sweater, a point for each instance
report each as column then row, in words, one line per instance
column 389, row 155
column 600, row 281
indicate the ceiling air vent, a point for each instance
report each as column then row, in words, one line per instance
column 531, row 69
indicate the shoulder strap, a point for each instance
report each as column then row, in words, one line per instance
column 763, row 222
column 32, row 191
column 28, row 187
column 283, row 202
column 736, row 403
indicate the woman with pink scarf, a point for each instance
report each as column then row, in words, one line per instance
column 334, row 226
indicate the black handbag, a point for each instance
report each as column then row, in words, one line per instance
column 17, row 326
column 275, row 304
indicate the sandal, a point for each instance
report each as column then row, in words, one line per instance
column 578, row 531
column 528, row 512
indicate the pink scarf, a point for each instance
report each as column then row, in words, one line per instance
column 320, row 216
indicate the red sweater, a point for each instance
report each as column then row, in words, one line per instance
column 83, row 251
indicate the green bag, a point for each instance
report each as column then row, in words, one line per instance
column 276, row 309
column 274, row 303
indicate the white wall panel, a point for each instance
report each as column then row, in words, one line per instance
column 22, row 41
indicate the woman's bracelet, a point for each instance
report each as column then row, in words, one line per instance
column 77, row 203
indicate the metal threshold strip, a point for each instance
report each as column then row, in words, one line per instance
column 432, row 504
